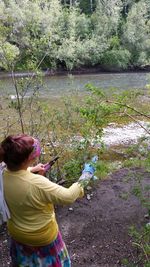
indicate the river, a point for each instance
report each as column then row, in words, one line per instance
column 55, row 86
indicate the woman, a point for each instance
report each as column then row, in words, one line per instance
column 35, row 237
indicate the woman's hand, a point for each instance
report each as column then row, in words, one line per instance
column 39, row 168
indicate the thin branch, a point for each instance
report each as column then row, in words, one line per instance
column 17, row 93
column 137, row 122
column 131, row 108
column 18, row 101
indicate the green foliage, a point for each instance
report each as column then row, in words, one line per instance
column 8, row 55
column 101, row 108
column 114, row 42
column 96, row 110
column 106, row 17
column 137, row 32
column 132, row 162
column 102, row 169
column 125, row 262
column 116, row 59
column 86, row 7
column 72, row 169
column 115, row 34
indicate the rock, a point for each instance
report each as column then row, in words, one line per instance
column 89, row 188
column 88, row 196
column 70, row 209
column 146, row 216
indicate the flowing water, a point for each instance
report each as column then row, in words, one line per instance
column 56, row 86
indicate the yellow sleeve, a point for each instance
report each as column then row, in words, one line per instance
column 53, row 193
column 62, row 195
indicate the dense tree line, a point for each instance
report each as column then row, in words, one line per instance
column 112, row 34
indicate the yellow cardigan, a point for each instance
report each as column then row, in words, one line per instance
column 31, row 198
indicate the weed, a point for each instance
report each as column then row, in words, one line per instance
column 124, row 195
column 142, row 243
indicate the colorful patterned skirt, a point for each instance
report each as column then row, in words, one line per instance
column 53, row 255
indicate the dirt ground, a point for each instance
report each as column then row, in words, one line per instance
column 96, row 228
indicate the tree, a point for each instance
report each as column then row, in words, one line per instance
column 8, row 55
column 106, row 18
column 136, row 36
column 34, row 33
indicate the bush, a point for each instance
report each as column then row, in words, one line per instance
column 118, row 59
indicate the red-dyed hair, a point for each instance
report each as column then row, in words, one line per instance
column 15, row 149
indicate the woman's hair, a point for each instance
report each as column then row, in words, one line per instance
column 15, row 149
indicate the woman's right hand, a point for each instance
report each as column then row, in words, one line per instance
column 39, row 168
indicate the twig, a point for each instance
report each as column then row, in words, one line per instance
column 137, row 122
column 131, row 108
column 18, row 100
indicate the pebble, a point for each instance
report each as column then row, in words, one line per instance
column 88, row 197
column 89, row 188
column 70, row 209
column 146, row 216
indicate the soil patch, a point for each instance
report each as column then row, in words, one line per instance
column 96, row 228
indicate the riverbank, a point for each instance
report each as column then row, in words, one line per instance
column 64, row 72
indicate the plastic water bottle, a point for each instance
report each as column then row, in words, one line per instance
column 94, row 160
column 89, row 169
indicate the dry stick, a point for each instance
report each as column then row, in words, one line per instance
column 18, row 100
column 56, row 154
column 131, row 108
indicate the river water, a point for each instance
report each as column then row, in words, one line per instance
column 55, row 86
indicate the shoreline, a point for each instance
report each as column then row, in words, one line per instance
column 82, row 71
